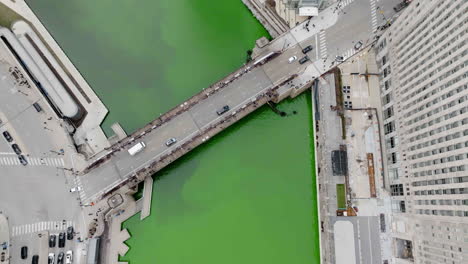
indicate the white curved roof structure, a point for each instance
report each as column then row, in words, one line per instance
column 40, row 70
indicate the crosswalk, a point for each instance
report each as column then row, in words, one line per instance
column 373, row 14
column 344, row 3
column 349, row 53
column 323, row 45
column 82, row 192
column 12, row 160
column 40, row 226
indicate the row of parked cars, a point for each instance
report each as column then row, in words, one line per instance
column 61, row 257
column 15, row 148
column 68, row 257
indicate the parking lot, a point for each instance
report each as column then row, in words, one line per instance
column 34, row 165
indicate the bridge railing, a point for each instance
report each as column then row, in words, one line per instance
column 126, row 142
column 209, row 130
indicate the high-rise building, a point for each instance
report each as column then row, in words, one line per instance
column 423, row 57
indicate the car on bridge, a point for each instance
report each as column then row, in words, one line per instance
column 223, row 110
column 136, row 148
column 171, row 141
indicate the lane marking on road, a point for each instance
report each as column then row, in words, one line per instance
column 41, row 226
column 323, row 44
column 373, row 15
column 14, row 161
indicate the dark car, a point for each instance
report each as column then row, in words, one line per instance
column 303, row 60
column 61, row 240
column 23, row 160
column 70, row 233
column 60, row 256
column 37, row 107
column 223, row 110
column 24, row 252
column 7, row 136
column 307, row 49
column 35, row 259
column 52, row 240
column 16, row 149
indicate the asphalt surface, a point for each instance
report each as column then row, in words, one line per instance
column 366, row 238
column 34, row 197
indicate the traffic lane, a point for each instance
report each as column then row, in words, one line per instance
column 369, row 239
column 181, row 128
column 98, row 179
column 34, row 136
column 235, row 94
column 385, row 9
column 279, row 68
column 22, row 187
column 353, row 26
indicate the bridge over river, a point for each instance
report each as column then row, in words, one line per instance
column 269, row 77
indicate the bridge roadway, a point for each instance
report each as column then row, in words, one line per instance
column 333, row 33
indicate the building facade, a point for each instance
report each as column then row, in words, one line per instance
column 423, row 61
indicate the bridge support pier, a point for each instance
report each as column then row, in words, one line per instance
column 147, row 194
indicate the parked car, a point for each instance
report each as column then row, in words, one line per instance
column 22, row 160
column 51, row 258
column 60, row 258
column 171, row 141
column 304, row 60
column 37, row 107
column 307, row 49
column 35, row 259
column 7, row 136
column 339, row 58
column 70, row 233
column 223, row 110
column 292, row 59
column 76, row 189
column 61, row 240
column 16, row 149
column 69, row 257
column 358, row 45
column 24, row 252
column 52, row 240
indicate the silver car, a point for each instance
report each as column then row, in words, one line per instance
column 171, row 141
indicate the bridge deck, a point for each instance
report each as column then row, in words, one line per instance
column 195, row 120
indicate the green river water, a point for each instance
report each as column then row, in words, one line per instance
column 247, row 196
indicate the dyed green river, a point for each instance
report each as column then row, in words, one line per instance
column 247, row 196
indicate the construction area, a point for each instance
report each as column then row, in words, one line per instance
column 353, row 201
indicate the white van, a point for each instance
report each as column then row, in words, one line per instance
column 136, row 148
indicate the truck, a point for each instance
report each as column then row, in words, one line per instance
column 136, row 148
